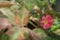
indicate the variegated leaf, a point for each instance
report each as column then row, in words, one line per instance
column 23, row 17
column 9, row 14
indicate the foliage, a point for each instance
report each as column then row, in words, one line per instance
column 20, row 12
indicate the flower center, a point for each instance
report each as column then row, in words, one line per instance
column 46, row 22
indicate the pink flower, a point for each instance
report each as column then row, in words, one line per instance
column 46, row 21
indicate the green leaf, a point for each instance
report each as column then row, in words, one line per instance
column 57, row 31
column 53, row 13
column 42, row 34
column 19, row 1
column 55, row 25
column 52, row 1
column 29, row 4
column 42, row 3
column 4, row 37
column 15, row 7
column 2, row 0
column 26, row 36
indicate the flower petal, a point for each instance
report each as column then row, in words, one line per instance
column 43, row 18
column 50, row 21
column 48, row 17
column 46, row 26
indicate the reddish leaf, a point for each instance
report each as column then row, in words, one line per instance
column 17, row 20
column 6, row 4
column 4, row 23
